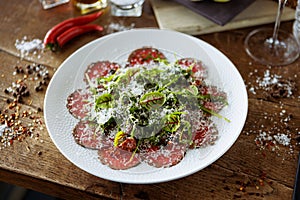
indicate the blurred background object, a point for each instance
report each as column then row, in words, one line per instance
column 291, row 3
column 126, row 8
column 296, row 25
column 88, row 6
column 47, row 4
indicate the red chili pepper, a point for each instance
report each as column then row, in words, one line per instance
column 53, row 33
column 76, row 31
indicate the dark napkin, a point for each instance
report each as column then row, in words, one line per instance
column 220, row 13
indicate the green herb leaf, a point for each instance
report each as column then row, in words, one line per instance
column 104, row 101
column 153, row 100
column 187, row 131
column 172, row 122
column 109, row 125
column 105, row 79
column 214, row 113
column 192, row 90
column 140, row 116
column 161, row 60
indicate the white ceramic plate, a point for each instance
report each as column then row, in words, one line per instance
column 116, row 47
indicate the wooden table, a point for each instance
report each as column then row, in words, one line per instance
column 251, row 169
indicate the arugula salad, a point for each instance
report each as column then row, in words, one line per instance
column 150, row 110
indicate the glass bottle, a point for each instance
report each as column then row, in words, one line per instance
column 88, row 6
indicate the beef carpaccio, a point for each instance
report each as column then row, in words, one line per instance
column 149, row 110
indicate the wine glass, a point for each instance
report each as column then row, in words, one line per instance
column 272, row 46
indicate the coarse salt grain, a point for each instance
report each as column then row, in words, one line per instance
column 252, row 90
column 2, row 129
column 116, row 27
column 278, row 135
column 270, row 81
column 26, row 46
column 282, row 139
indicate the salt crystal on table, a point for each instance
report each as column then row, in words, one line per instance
column 2, row 128
column 282, row 139
column 26, row 47
column 252, row 90
column 116, row 27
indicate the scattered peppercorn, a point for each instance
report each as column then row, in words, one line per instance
column 13, row 128
column 14, row 124
column 34, row 72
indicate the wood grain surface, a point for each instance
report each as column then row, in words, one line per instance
column 251, row 169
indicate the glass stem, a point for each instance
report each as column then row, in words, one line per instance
column 281, row 5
